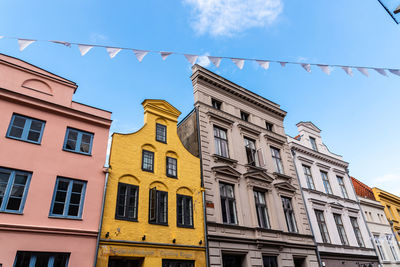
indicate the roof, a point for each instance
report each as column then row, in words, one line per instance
column 362, row 189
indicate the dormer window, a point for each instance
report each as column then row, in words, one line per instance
column 161, row 133
column 244, row 116
column 216, row 104
column 313, row 143
column 269, row 126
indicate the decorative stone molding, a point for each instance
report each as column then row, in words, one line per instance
column 218, row 158
column 247, row 129
column 323, row 166
column 286, row 187
column 226, row 171
column 305, row 160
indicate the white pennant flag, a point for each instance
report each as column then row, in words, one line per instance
column 263, row 64
column 215, row 60
column 395, row 72
column 348, row 70
column 140, row 54
column 307, row 67
column 381, row 71
column 325, row 68
column 112, row 52
column 62, row 43
column 238, row 62
column 283, row 64
column 164, row 55
column 363, row 71
column 24, row 43
column 84, row 48
column 191, row 58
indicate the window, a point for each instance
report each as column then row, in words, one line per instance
column 325, row 180
column 244, row 116
column 270, row 261
column 357, row 231
column 127, row 202
column 147, row 161
column 323, row 229
column 184, row 211
column 221, row 142
column 261, row 208
column 68, row 198
column 158, row 213
column 161, row 133
column 13, row 190
column 389, row 239
column 27, row 258
column 342, row 187
column 251, row 152
column 340, row 228
column 289, row 214
column 269, row 126
column 228, row 203
column 172, row 164
column 26, row 129
column 313, row 143
column 216, row 104
column 78, row 141
column 177, row 263
column 276, row 156
column 390, row 211
column 379, row 247
column 309, row 179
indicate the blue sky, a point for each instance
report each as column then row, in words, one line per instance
column 358, row 116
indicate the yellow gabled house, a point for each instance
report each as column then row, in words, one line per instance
column 153, row 211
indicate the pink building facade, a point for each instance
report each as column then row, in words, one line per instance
column 52, row 153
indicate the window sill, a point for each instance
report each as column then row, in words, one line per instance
column 282, row 176
column 170, row 176
column 26, row 141
column 248, row 166
column 161, row 224
column 12, row 212
column 75, row 152
column 65, row 218
column 224, row 159
column 152, row 171
column 126, row 219
column 164, row 142
column 183, row 226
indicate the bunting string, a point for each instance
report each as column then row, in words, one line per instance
column 112, row 51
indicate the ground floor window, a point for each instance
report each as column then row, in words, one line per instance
column 41, row 259
column 232, row 260
column 124, row 262
column 270, row 261
column 177, row 263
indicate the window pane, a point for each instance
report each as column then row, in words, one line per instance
column 17, row 191
column 77, row 187
column 60, row 196
column 58, row 208
column 75, row 198
column 33, row 136
column 85, row 148
column 16, row 132
column 86, row 138
column 36, row 126
column 73, row 210
column 20, row 179
column 72, row 135
column 13, row 203
column 19, row 121
column 70, row 145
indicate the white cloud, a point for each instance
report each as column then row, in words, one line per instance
column 203, row 60
column 227, row 17
column 389, row 182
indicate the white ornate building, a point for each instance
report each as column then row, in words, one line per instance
column 337, row 222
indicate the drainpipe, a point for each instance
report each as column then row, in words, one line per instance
column 305, row 206
column 394, row 234
column 371, row 237
column 202, row 186
column 101, row 219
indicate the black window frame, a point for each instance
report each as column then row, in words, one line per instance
column 342, row 186
column 269, row 126
column 289, row 214
column 322, row 226
column 152, row 164
column 219, row 140
column 270, row 261
column 262, row 210
column 313, row 143
column 125, row 206
column 341, row 230
column 309, row 178
column 185, row 205
column 176, row 167
column 225, row 202
column 157, row 216
column 244, row 116
column 177, row 263
column 357, row 232
column 216, row 103
column 276, row 157
column 251, row 152
column 164, row 128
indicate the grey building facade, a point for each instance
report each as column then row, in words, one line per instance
column 254, row 208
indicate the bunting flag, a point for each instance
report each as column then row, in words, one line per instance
column 113, row 51
column 348, row 70
column 263, row 64
column 307, row 67
column 215, row 60
column 325, row 69
column 191, row 58
column 363, row 71
column 23, row 43
column 140, row 54
column 84, row 48
column 164, row 55
column 238, row 62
